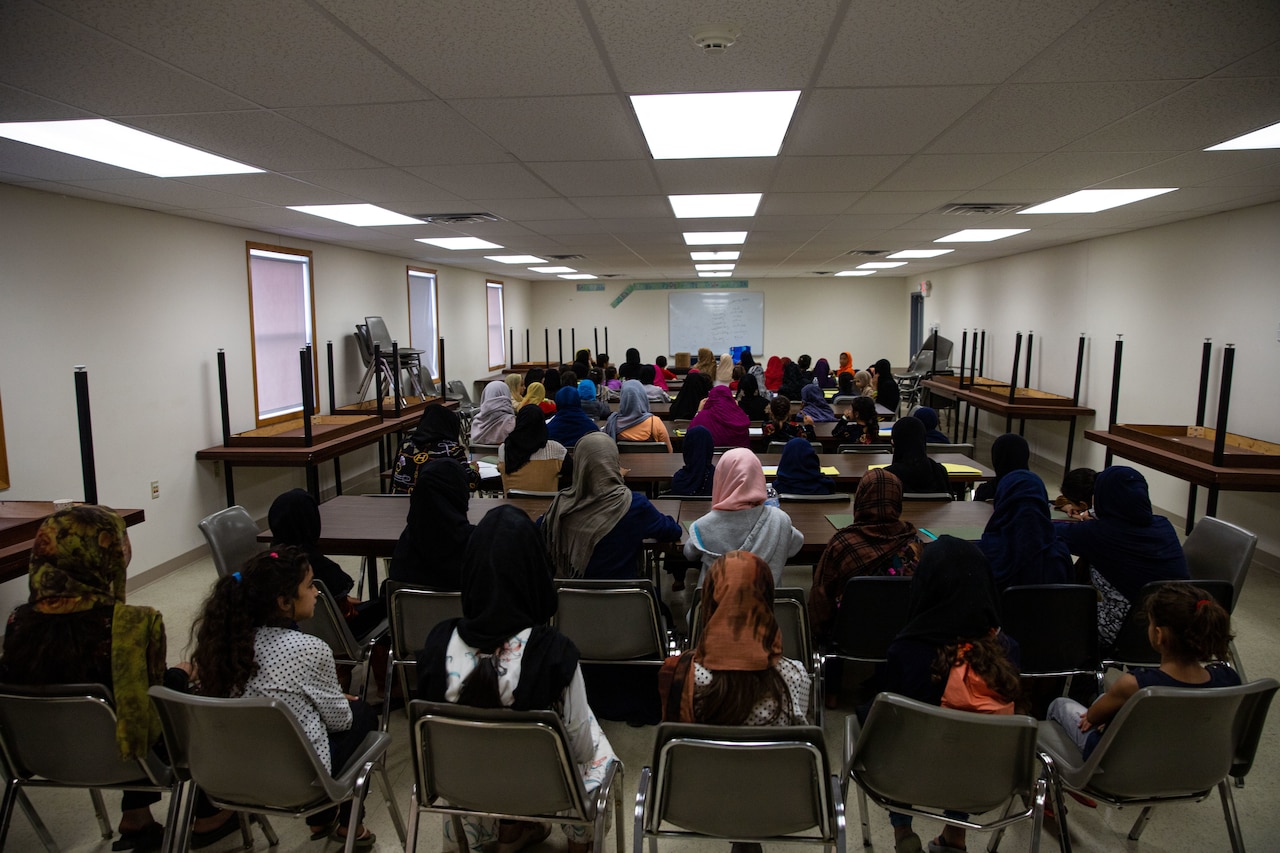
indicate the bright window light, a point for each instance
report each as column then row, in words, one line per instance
column 108, row 142
column 714, row 274
column 715, row 124
column 718, row 204
column 856, row 272
column 1092, row 201
column 457, row 244
column 1267, row 137
column 711, row 238
column 980, row 235
column 920, row 253
column 715, row 256
column 357, row 214
column 882, row 265
column 582, row 276
column 552, row 269
column 516, row 259
column 712, row 267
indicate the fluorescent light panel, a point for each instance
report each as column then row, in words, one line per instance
column 552, row 269
column 882, row 265
column 919, row 253
column 1267, row 137
column 715, row 124
column 117, row 145
column 1092, row 201
column 715, row 256
column 980, row 235
column 711, row 238
column 363, row 215
column 583, row 276
column 712, row 267
column 458, row 244
column 856, row 272
column 516, row 259
column 715, row 204
column 714, row 274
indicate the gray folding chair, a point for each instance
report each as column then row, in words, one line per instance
column 779, row 446
column 1132, row 647
column 1166, row 745
column 455, row 748
column 1221, row 551
column 252, row 755
column 613, row 622
column 1056, row 626
column 834, row 497
column 927, row 496
column 642, row 447
column 966, row 449
column 364, row 343
column 872, row 612
column 975, row 763
column 792, row 616
column 864, row 448
column 739, row 783
column 413, row 612
column 64, row 736
column 232, row 535
column 410, row 359
column 327, row 624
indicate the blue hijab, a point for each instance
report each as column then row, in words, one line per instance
column 586, row 391
column 570, row 423
column 1019, row 541
column 696, row 476
column 800, row 473
column 815, row 404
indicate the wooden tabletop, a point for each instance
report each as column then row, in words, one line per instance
column 1166, row 458
column 19, row 521
column 648, row 468
column 990, row 398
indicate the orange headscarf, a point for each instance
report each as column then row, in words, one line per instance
column 846, row 364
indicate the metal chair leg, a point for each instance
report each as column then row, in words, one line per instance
column 100, row 810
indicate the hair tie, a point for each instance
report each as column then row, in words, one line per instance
column 273, row 555
column 236, row 575
column 1201, row 603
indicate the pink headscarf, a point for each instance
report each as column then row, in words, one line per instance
column 658, row 378
column 738, row 481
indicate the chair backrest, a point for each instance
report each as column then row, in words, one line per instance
column 926, row 496
column 232, row 535
column 485, row 449
column 1220, row 550
column 779, row 446
column 741, row 781
column 1174, row 741
column 379, row 334
column 540, row 476
column 863, row 448
column 872, row 612
column 976, row 762
column 613, row 621
column 458, row 391
column 834, row 497
column 455, row 749
column 244, row 752
column 67, row 734
column 792, row 616
column 327, row 624
column 428, row 385
column 363, row 344
column 1131, row 645
column 966, row 449
column 681, row 423
column 1056, row 626
column 642, row 447
column 414, row 612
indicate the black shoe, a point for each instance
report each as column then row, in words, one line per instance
column 150, row 837
column 213, row 836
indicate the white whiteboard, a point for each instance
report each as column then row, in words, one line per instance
column 717, row 320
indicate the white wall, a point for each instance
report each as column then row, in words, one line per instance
column 145, row 300
column 822, row 317
column 1165, row 289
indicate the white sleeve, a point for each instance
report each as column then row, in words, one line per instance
column 591, row 749
column 322, row 687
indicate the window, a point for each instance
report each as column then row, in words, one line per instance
column 281, row 317
column 497, row 340
column 424, row 328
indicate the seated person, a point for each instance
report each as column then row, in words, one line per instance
column 651, row 390
column 690, row 396
column 570, row 422
column 695, row 476
column 536, row 395
column 1009, row 452
column 1076, row 499
column 532, row 375
column 529, row 459
column 859, row 425
column 886, row 386
column 727, row 423
column 724, row 370
column 597, row 527
column 1019, row 541
column 822, row 374
column 611, row 379
column 436, row 532
column 844, row 388
column 781, row 426
column 633, row 421
column 1126, row 545
column 590, row 402
column 504, row 653
column 752, row 403
column 800, row 471
column 929, row 417
column 660, row 373
column 437, row 436
column 815, row 406
column 862, row 384
column 911, row 463
column 496, row 416
column 516, row 383
column 76, row 629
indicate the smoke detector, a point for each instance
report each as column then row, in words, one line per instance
column 716, row 38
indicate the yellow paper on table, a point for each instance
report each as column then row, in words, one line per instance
column 770, row 470
column 829, row 470
column 953, row 468
column 881, row 465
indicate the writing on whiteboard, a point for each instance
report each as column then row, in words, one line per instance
column 718, row 320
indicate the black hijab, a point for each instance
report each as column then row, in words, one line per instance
column 695, row 389
column 436, row 529
column 792, row 382
column 528, row 437
column 911, row 462
column 551, row 382
column 1009, row 453
column 294, row 519
column 506, row 580
column 756, row 407
column 747, row 361
column 953, row 595
column 437, row 425
column 695, row 478
column 886, row 385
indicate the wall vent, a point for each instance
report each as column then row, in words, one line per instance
column 456, row 218
column 566, row 257
column 871, row 253
column 978, row 209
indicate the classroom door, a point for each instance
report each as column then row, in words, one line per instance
column 917, row 324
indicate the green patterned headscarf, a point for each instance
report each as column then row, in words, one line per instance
column 78, row 562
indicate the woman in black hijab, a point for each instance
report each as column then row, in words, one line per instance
column 437, row 436
column 436, row 531
column 1009, row 453
column 886, row 385
column 911, row 462
column 792, row 382
column 503, row 653
column 749, row 399
column 695, row 389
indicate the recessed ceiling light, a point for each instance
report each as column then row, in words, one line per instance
column 357, row 214
column 882, row 265
column 459, row 243
column 856, row 272
column 583, row 276
column 1092, row 201
column 712, row 267
column 716, row 204
column 980, row 235
column 715, row 256
column 715, row 124
column 516, row 259
column 552, row 269
column 714, row 274
column 919, row 253
column 1267, row 137
column 711, row 238
column 117, row 145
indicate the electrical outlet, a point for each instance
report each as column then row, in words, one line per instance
column 155, row 490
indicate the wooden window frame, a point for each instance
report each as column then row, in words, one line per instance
column 502, row 300
column 434, row 348
column 250, row 246
column 4, row 456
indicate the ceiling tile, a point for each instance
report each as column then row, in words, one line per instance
column 533, row 208
column 726, row 175
column 877, row 121
column 376, row 186
column 585, row 127
column 1072, row 171
column 599, row 177
column 787, row 204
column 171, row 193
column 936, row 172
column 494, row 180
column 833, row 174
column 624, row 207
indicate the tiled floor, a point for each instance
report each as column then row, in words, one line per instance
column 1181, row 828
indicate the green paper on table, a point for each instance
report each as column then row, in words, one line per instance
column 840, row 519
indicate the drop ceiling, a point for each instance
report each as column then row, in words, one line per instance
column 521, row 110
